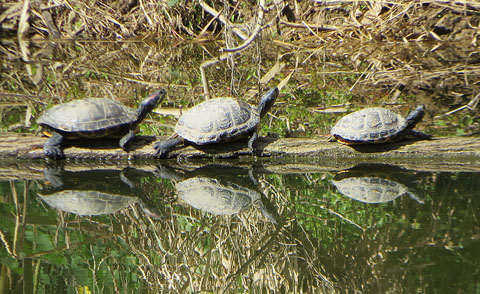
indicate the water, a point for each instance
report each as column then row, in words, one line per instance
column 238, row 226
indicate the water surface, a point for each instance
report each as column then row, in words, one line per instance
column 239, row 226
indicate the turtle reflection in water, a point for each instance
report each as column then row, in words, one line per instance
column 368, row 188
column 219, row 190
column 88, row 202
column 214, row 197
column 93, row 192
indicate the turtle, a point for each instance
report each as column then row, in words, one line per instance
column 372, row 189
column 212, row 196
column 88, row 202
column 93, row 192
column 220, row 197
column 377, row 125
column 218, row 120
column 219, row 189
column 93, row 118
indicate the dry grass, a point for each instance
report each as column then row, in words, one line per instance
column 406, row 52
column 409, row 46
column 419, row 47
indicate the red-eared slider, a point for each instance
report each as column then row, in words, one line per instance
column 88, row 202
column 377, row 125
column 372, row 189
column 219, row 189
column 93, row 118
column 94, row 192
column 218, row 120
column 212, row 196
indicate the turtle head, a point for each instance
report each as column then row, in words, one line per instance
column 415, row 116
column 149, row 103
column 267, row 101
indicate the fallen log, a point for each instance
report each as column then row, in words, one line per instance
column 28, row 146
column 22, row 155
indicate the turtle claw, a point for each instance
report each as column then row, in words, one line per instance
column 163, row 147
column 54, row 152
column 160, row 151
column 53, row 147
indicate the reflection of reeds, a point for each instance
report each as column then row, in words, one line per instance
column 193, row 251
column 312, row 251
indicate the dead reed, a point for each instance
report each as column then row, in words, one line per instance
column 426, row 48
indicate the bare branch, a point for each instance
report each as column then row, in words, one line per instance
column 258, row 28
column 222, row 19
column 309, row 26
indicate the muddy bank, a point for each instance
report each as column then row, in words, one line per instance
column 28, row 146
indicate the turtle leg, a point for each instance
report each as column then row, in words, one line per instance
column 126, row 140
column 53, row 146
column 420, row 135
column 164, row 146
column 150, row 210
column 268, row 210
column 332, row 139
column 251, row 142
column 414, row 197
column 126, row 180
column 53, row 175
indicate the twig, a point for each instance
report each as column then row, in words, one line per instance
column 149, row 20
column 7, row 246
column 470, row 106
column 222, row 19
column 309, row 26
column 258, row 28
column 207, row 63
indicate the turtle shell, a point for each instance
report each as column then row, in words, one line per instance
column 88, row 202
column 210, row 195
column 89, row 117
column 371, row 189
column 370, row 125
column 217, row 120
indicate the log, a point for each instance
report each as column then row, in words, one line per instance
column 29, row 146
column 22, row 155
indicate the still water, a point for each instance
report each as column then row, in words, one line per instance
column 263, row 227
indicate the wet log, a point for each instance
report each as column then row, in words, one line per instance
column 22, row 155
column 28, row 146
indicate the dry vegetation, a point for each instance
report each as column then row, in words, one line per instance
column 378, row 50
